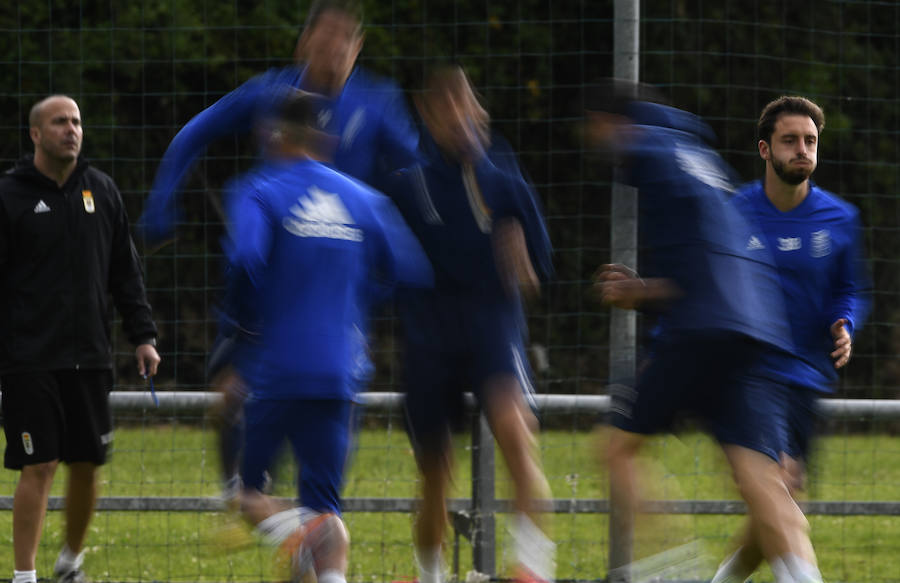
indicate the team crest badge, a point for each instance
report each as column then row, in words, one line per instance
column 27, row 443
column 88, row 199
column 820, row 243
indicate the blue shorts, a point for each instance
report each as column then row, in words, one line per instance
column 458, row 346
column 708, row 375
column 753, row 415
column 319, row 432
column 802, row 414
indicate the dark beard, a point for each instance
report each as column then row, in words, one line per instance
column 792, row 177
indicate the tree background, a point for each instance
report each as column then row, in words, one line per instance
column 140, row 70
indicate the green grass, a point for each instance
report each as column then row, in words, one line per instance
column 178, row 460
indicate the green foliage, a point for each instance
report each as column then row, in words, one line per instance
column 141, row 70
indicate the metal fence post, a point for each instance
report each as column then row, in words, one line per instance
column 623, row 246
column 484, row 535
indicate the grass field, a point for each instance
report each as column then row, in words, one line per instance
column 177, row 459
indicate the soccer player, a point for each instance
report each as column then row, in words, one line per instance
column 305, row 243
column 65, row 248
column 374, row 135
column 720, row 310
column 814, row 238
column 479, row 222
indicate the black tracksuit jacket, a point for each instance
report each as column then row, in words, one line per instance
column 64, row 251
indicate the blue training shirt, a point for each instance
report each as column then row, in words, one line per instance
column 369, row 117
column 307, row 242
column 694, row 236
column 818, row 252
column 452, row 208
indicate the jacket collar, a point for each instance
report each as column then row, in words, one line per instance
column 26, row 170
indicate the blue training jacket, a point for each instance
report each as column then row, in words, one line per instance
column 306, row 242
column 694, row 236
column 452, row 209
column 818, row 252
column 369, row 117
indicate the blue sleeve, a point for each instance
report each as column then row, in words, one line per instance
column 398, row 136
column 536, row 236
column 523, row 204
column 398, row 256
column 851, row 296
column 232, row 114
column 251, row 233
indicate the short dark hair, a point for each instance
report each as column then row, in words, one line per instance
column 614, row 95
column 298, row 107
column 296, row 116
column 352, row 8
column 787, row 105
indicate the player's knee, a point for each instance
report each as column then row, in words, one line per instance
column 329, row 541
column 40, row 474
column 84, row 473
column 803, row 522
column 621, row 448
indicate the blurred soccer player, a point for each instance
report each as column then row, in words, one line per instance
column 305, row 243
column 367, row 114
column 814, row 238
column 720, row 310
column 479, row 222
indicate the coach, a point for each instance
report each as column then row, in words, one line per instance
column 65, row 248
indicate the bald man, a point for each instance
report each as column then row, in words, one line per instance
column 65, row 250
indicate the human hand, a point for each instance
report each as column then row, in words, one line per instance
column 513, row 262
column 843, row 345
column 618, row 285
column 147, row 360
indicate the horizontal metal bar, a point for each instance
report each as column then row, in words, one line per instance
column 464, row 506
column 591, row 404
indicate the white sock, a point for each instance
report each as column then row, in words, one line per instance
column 306, row 514
column 331, row 576
column 731, row 570
column 802, row 570
column 24, row 577
column 68, row 561
column 534, row 550
column 277, row 527
column 429, row 562
column 780, row 571
column 231, row 489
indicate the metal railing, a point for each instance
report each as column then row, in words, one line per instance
column 474, row 517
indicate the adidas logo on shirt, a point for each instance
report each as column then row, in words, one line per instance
column 41, row 207
column 754, row 244
column 321, row 214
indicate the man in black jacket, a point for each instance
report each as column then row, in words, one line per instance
column 65, row 248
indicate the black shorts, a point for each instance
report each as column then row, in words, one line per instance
column 56, row 415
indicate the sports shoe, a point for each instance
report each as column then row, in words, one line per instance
column 296, row 558
column 230, row 534
column 73, row 576
column 526, row 575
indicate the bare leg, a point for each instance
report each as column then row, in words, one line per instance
column 229, row 421
column 514, row 427
column 29, row 509
column 778, row 525
column 257, row 507
column 431, row 519
column 81, row 495
column 621, row 451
